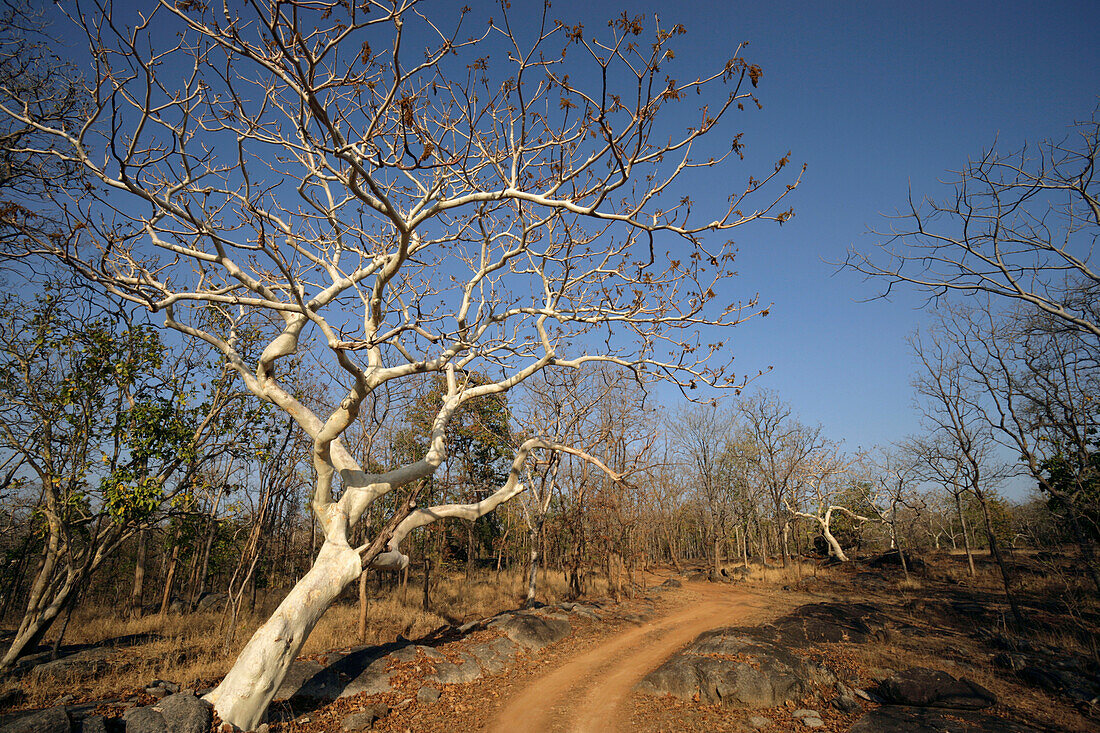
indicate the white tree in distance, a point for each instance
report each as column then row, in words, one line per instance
column 407, row 200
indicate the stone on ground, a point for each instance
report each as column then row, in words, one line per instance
column 902, row 719
column 726, row 666
column 923, row 687
column 52, row 720
column 532, row 631
column 365, row 719
column 186, row 713
column 144, row 720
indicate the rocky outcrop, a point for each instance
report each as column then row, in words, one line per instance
column 53, row 720
column 818, row 623
column 179, row 713
column 726, row 666
column 533, row 631
column 922, row 687
column 81, row 665
column 898, row 719
column 367, row 670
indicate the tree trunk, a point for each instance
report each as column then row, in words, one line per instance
column 244, row 694
column 35, row 623
column 137, row 594
column 427, row 603
column 169, row 579
column 966, row 538
column 994, row 547
column 834, row 547
column 533, row 565
column 363, row 607
column 469, row 549
column 785, row 542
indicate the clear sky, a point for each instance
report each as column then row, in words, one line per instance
column 876, row 97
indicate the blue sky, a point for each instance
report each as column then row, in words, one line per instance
column 875, row 97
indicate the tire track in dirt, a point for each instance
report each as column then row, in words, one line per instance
column 585, row 694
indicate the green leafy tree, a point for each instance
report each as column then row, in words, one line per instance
column 103, row 430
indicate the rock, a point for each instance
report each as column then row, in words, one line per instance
column 157, row 692
column 587, row 612
column 212, row 601
column 412, row 651
column 10, row 697
column 94, row 724
column 1010, row 661
column 898, row 719
column 365, row 719
column 534, row 632
column 51, row 720
column 817, row 623
column 456, row 673
column 757, row 721
column 846, row 704
column 1047, row 679
column 672, row 583
column 495, row 655
column 726, row 666
column 813, row 722
column 714, row 576
column 372, row 680
column 428, row 695
column 144, row 720
column 892, row 558
column 803, row 713
column 923, row 687
column 82, row 665
column 186, row 713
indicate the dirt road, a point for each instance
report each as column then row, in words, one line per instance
column 585, row 694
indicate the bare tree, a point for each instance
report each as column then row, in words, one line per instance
column 1020, row 226
column 782, row 446
column 952, row 410
column 700, row 434
column 410, row 201
column 822, row 474
column 1037, row 381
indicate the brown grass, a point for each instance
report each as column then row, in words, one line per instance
column 196, row 649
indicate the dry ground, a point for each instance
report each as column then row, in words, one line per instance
column 585, row 681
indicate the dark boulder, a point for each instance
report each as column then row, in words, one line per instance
column 82, row 665
column 51, row 720
column 923, row 687
column 898, row 719
column 212, row 601
column 817, row 623
column 533, row 631
column 726, row 666
column 144, row 720
column 365, row 719
column 892, row 558
column 184, row 713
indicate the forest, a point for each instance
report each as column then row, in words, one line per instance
column 330, row 325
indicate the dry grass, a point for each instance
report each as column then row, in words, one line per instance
column 196, row 649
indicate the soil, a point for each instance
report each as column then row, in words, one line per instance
column 586, row 681
column 587, row 693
